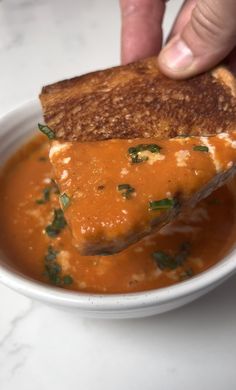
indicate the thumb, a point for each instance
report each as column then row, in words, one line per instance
column 206, row 39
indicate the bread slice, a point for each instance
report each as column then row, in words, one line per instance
column 137, row 101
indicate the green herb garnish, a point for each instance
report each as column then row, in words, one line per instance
column 46, row 196
column 126, row 190
column 162, row 204
column 53, row 269
column 183, row 253
column 200, row 148
column 134, row 152
column 164, row 260
column 52, row 272
column 67, row 280
column 168, row 261
column 53, row 188
column 57, row 224
column 52, row 254
column 64, row 200
column 186, row 274
column 47, row 131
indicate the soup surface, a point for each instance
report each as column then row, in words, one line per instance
column 116, row 192
column 36, row 237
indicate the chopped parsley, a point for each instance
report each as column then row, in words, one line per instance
column 162, row 204
column 186, row 274
column 46, row 196
column 67, row 280
column 57, row 224
column 46, row 193
column 52, row 254
column 53, row 269
column 126, row 190
column 164, row 260
column 64, row 200
column 168, row 261
column 134, row 152
column 200, row 148
column 47, row 131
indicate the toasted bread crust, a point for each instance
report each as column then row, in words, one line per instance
column 226, row 78
column 136, row 100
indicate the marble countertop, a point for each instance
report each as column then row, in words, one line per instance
column 42, row 348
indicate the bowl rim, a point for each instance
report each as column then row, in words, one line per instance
column 108, row 302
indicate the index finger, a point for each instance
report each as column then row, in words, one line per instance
column 141, row 34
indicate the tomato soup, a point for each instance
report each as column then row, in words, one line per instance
column 36, row 237
column 115, row 192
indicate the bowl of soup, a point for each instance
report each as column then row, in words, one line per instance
column 184, row 260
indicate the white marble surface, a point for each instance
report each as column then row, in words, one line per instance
column 41, row 348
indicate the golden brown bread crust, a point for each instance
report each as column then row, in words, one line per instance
column 136, row 100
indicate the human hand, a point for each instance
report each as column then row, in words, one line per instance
column 203, row 35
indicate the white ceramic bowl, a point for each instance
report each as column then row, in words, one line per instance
column 15, row 128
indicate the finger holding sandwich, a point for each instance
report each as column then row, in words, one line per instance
column 203, row 35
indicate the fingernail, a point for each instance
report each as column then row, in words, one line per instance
column 177, row 55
